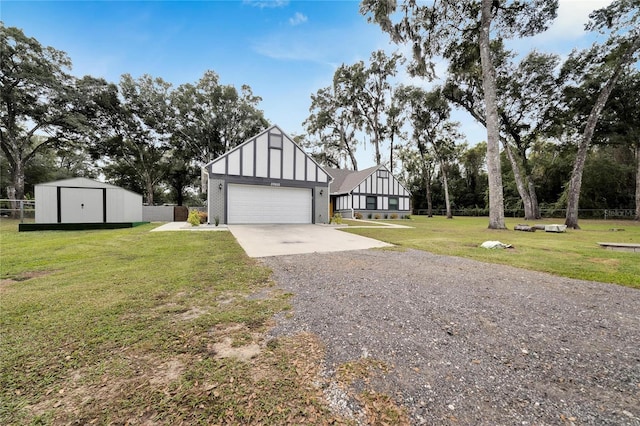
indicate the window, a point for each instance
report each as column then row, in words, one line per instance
column 372, row 202
column 275, row 141
column 393, row 203
column 383, row 174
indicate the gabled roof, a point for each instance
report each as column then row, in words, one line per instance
column 345, row 181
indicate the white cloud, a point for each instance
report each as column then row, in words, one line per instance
column 298, row 19
column 266, row 3
column 572, row 16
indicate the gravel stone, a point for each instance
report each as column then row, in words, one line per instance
column 468, row 342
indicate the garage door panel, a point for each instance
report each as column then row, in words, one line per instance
column 268, row 204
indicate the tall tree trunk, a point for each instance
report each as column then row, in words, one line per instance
column 522, row 189
column 496, row 196
column 15, row 190
column 148, row 183
column 638, row 181
column 445, row 183
column 427, row 187
column 535, row 207
column 575, row 183
column 350, row 152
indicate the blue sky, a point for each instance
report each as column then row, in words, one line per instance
column 285, row 50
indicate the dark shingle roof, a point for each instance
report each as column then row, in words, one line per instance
column 344, row 181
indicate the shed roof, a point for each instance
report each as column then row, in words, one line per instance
column 79, row 182
column 82, row 182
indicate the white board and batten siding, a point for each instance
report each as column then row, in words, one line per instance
column 267, row 179
column 271, row 155
column 383, row 185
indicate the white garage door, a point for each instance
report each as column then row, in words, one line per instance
column 268, row 204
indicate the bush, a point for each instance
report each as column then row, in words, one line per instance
column 407, row 216
column 202, row 216
column 369, row 216
column 358, row 215
column 376, row 216
column 337, row 218
column 393, row 216
column 194, row 218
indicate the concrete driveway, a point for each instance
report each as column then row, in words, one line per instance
column 278, row 240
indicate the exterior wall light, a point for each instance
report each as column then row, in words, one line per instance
column 321, row 191
column 220, row 186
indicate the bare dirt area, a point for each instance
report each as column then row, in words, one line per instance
column 456, row 341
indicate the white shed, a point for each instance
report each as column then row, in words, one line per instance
column 82, row 200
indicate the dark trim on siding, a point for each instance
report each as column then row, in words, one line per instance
column 59, row 201
column 104, row 205
column 295, row 158
column 255, row 155
column 241, row 163
column 247, row 180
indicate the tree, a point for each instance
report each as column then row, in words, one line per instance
column 42, row 106
column 334, row 125
column 621, row 19
column 432, row 131
column 440, row 28
column 366, row 90
column 140, row 131
column 619, row 125
column 526, row 93
column 211, row 118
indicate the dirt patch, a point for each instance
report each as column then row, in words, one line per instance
column 608, row 262
column 226, row 349
column 24, row 276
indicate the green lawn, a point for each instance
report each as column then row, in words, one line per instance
column 574, row 253
column 127, row 326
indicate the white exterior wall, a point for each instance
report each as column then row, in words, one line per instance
column 121, row 205
column 46, row 204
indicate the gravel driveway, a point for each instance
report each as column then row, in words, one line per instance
column 469, row 342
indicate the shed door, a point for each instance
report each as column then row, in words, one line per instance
column 81, row 205
column 268, row 204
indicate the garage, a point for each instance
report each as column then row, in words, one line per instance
column 269, row 204
column 267, row 179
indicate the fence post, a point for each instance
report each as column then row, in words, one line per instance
column 21, row 211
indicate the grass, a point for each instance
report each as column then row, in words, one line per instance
column 574, row 253
column 126, row 326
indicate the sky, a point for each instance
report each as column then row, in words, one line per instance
column 285, row 50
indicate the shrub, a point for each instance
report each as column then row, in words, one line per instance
column 202, row 216
column 217, row 220
column 394, row 216
column 369, row 216
column 194, row 218
column 407, row 216
column 376, row 216
column 358, row 215
column 337, row 218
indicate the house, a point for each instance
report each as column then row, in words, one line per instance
column 85, row 201
column 267, row 179
column 374, row 193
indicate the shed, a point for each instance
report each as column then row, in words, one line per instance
column 373, row 192
column 83, row 201
column 267, row 179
